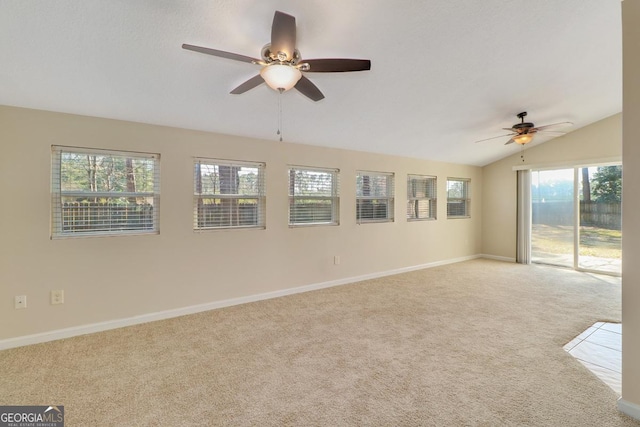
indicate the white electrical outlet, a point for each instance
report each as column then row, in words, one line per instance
column 20, row 301
column 57, row 297
column 336, row 260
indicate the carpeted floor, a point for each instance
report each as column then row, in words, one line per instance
column 477, row 343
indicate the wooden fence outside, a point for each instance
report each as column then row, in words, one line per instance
column 96, row 216
column 229, row 214
column 592, row 214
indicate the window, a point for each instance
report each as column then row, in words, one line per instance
column 374, row 197
column 458, row 201
column 313, row 196
column 104, row 193
column 421, row 197
column 228, row 194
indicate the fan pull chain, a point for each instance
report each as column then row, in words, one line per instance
column 280, row 113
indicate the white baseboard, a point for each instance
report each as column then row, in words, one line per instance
column 167, row 314
column 498, row 258
column 628, row 408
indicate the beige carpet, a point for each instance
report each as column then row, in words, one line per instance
column 477, row 343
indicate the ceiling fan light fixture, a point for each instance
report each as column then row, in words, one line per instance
column 523, row 138
column 280, row 76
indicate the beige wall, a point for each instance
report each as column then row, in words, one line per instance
column 111, row 278
column 631, row 207
column 596, row 142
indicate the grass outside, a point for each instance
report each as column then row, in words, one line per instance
column 594, row 242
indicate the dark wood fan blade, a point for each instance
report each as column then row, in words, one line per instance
column 220, row 53
column 337, row 65
column 511, row 141
column 495, row 137
column 511, row 129
column 248, row 85
column 554, row 124
column 283, row 34
column 308, row 89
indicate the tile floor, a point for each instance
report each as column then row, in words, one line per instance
column 599, row 348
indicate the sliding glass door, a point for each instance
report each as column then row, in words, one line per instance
column 552, row 217
column 576, row 218
column 600, row 228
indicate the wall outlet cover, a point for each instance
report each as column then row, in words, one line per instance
column 57, row 297
column 20, row 301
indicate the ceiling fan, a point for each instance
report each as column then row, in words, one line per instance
column 522, row 133
column 281, row 63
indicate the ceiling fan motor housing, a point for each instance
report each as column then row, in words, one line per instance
column 281, row 57
column 523, row 127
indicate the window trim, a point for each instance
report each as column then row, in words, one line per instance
column 390, row 198
column 430, row 200
column 260, row 197
column 56, row 215
column 467, row 200
column 335, row 197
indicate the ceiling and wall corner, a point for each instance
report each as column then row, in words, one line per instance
column 444, row 74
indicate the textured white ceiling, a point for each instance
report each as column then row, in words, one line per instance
column 444, row 73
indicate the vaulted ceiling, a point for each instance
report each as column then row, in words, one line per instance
column 444, row 73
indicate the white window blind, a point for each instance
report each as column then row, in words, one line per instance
column 374, row 196
column 421, row 197
column 313, row 196
column 100, row 192
column 228, row 194
column 458, row 198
